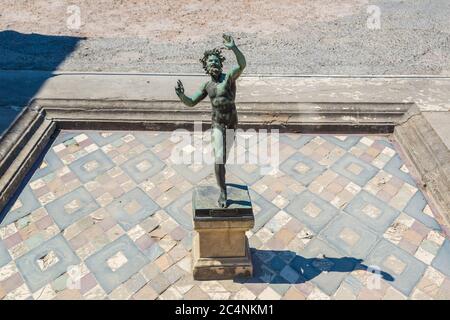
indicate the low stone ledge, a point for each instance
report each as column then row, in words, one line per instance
column 430, row 159
column 28, row 136
column 143, row 115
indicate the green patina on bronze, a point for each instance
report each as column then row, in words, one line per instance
column 221, row 89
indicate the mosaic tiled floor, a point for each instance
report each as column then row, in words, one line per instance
column 108, row 215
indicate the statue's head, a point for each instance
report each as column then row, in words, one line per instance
column 212, row 62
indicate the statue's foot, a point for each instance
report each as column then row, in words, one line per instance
column 222, row 200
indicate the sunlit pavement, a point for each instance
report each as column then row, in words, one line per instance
column 108, row 215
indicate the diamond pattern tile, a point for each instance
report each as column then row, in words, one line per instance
column 108, row 215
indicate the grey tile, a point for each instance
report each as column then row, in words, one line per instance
column 4, row 255
column 51, row 162
column 106, row 277
column 29, row 204
column 442, row 259
column 289, row 274
column 353, row 283
column 393, row 167
column 267, row 210
column 160, row 283
column 314, row 171
column 103, row 164
column 386, row 143
column 415, row 207
column 144, row 207
column 174, row 273
column 280, row 288
column 136, row 282
column 300, row 209
column 131, row 167
column 346, row 144
column 104, row 138
column 32, row 273
column 379, row 223
column 64, row 136
column 194, row 176
column 248, row 177
column 296, row 142
column 152, row 138
column 177, row 210
column 367, row 170
column 349, row 236
column 81, row 202
column 407, row 271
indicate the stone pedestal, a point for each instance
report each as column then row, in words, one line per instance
column 220, row 250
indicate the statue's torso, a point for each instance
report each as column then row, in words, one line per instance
column 222, row 94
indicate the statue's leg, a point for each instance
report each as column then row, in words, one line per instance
column 219, row 148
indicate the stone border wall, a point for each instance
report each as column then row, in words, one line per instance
column 26, row 139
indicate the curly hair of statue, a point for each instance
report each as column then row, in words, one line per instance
column 213, row 52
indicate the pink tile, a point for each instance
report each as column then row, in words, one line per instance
column 154, row 193
column 116, row 192
column 113, row 153
column 145, row 242
column 294, row 225
column 305, row 287
column 383, row 195
column 13, row 240
column 327, row 195
column 164, row 154
column 366, row 157
column 63, row 153
column 343, row 181
column 87, row 283
column 12, row 282
column 178, row 233
column 78, row 241
column 408, row 246
column 68, row 177
column 133, row 143
column 275, row 244
column 41, row 191
column 420, row 228
column 377, row 145
column 97, row 192
column 256, row 288
column 396, row 182
column 44, row 223
column 107, row 223
column 85, row 143
column 122, row 178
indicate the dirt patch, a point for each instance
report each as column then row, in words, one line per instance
column 294, row 37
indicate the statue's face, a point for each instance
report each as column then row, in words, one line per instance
column 213, row 65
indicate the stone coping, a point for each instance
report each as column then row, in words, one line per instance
column 428, row 93
column 69, row 102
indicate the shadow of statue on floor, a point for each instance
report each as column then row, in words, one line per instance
column 274, row 266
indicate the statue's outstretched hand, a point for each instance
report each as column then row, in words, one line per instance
column 179, row 89
column 228, row 41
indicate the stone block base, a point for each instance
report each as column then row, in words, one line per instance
column 221, row 268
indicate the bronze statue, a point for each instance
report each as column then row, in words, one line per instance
column 221, row 89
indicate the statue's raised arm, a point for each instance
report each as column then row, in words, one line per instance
column 196, row 97
column 235, row 72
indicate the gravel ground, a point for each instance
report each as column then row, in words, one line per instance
column 285, row 37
